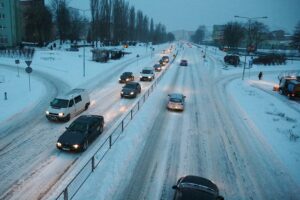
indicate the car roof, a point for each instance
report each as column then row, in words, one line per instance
column 176, row 95
column 132, row 83
column 71, row 94
column 147, row 68
column 127, row 72
column 199, row 181
column 88, row 119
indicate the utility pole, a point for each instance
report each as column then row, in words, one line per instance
column 249, row 29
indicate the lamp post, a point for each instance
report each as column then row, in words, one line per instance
column 249, row 24
column 83, row 11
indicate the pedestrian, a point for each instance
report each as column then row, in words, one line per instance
column 260, row 75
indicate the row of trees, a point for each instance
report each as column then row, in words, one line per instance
column 251, row 34
column 112, row 21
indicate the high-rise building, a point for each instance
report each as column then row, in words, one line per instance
column 10, row 31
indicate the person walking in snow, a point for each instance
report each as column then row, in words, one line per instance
column 260, row 75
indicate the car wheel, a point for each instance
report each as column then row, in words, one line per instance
column 86, row 106
column 280, row 91
column 101, row 128
column 85, row 145
column 68, row 117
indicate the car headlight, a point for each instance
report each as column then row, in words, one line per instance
column 149, row 76
column 127, row 79
column 75, row 146
column 122, row 92
column 58, row 144
column 141, row 76
column 47, row 112
column 131, row 93
column 60, row 114
column 119, row 79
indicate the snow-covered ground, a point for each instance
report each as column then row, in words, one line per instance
column 274, row 119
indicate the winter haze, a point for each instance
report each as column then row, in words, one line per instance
column 188, row 15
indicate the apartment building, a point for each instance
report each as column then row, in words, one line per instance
column 10, row 31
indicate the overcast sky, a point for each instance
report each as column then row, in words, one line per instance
column 189, row 14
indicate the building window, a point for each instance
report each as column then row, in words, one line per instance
column 2, row 16
column 1, row 5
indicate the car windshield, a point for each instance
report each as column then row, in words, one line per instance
column 126, row 74
column 59, row 103
column 147, row 71
column 129, row 86
column 80, row 127
column 176, row 100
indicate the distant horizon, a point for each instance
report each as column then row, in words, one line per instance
column 179, row 15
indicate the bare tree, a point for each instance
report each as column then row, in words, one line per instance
column 296, row 37
column 38, row 27
column 233, row 34
column 257, row 33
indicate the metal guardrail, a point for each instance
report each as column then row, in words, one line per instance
column 80, row 178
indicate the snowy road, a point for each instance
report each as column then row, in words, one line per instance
column 27, row 153
column 211, row 138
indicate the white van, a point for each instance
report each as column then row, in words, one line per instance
column 147, row 74
column 62, row 108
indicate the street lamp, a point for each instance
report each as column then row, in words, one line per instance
column 83, row 10
column 249, row 24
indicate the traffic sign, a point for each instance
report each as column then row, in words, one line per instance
column 17, row 61
column 28, row 70
column 28, row 62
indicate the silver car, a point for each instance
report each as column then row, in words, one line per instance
column 176, row 102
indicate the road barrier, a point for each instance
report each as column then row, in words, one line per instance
column 79, row 179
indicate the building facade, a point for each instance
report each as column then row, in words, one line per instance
column 10, row 24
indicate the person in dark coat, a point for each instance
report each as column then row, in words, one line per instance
column 260, row 75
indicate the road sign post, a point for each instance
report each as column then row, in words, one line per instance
column 17, row 63
column 28, row 70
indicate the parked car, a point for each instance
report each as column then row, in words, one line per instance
column 270, row 59
column 183, row 62
column 176, row 102
column 232, row 59
column 147, row 74
column 289, row 86
column 157, row 67
column 131, row 90
column 196, row 188
column 126, row 77
column 81, row 132
column 62, row 108
column 166, row 59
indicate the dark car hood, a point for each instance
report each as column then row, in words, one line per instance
column 71, row 137
column 124, row 77
column 127, row 90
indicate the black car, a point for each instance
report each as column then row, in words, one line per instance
column 166, row 59
column 195, row 188
column 232, row 59
column 157, row 67
column 183, row 62
column 126, row 77
column 81, row 132
column 131, row 90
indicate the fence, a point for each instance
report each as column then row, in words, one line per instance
column 75, row 184
column 26, row 53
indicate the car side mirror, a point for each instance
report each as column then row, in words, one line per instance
column 174, row 187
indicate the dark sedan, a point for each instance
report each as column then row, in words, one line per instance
column 183, row 62
column 195, row 188
column 157, row 67
column 126, row 77
column 131, row 90
column 82, row 131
